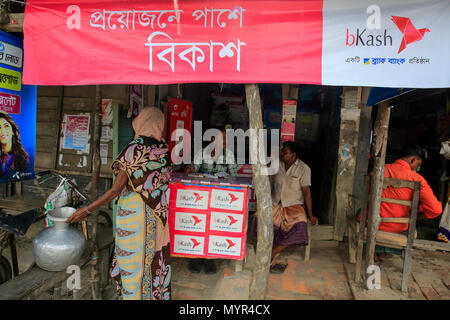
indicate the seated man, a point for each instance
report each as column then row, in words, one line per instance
column 406, row 168
column 224, row 163
column 202, row 163
column 290, row 194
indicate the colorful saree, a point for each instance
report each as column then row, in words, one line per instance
column 142, row 233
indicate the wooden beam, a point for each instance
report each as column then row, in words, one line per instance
column 96, row 165
column 258, row 286
column 431, row 245
column 348, row 143
column 363, row 149
column 379, row 154
column 60, row 117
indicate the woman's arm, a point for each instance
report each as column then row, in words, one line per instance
column 119, row 183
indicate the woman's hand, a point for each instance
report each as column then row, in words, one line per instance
column 119, row 184
column 78, row 216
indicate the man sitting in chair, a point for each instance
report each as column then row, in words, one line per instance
column 292, row 204
column 406, row 168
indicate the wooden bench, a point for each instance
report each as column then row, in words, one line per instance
column 17, row 204
column 358, row 232
column 35, row 280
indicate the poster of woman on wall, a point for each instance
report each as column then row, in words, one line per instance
column 14, row 158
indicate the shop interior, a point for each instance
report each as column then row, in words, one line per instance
column 419, row 117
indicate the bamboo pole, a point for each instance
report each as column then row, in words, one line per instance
column 379, row 153
column 96, row 164
column 258, row 286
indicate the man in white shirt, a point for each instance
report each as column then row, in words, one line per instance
column 291, row 195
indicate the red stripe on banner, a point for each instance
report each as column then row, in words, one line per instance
column 139, row 42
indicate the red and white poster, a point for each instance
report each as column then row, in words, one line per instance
column 180, row 112
column 207, row 221
column 136, row 100
column 288, row 120
column 383, row 43
column 76, row 132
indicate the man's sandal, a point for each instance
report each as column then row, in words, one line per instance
column 278, row 268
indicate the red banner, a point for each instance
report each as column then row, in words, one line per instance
column 390, row 43
column 207, row 222
column 142, row 42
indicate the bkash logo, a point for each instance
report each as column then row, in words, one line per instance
column 230, row 243
column 233, row 198
column 193, row 243
column 362, row 36
column 197, row 220
column 196, row 197
column 232, row 220
column 227, row 245
column 229, row 200
column 409, row 31
column 196, row 243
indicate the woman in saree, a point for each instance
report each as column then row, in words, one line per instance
column 142, row 233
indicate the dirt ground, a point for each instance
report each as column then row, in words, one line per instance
column 327, row 275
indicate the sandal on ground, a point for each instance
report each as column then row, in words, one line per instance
column 278, row 268
column 210, row 267
column 195, row 265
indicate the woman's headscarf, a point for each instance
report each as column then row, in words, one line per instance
column 149, row 123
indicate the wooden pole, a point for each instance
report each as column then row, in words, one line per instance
column 258, row 286
column 346, row 160
column 96, row 164
column 361, row 170
column 379, row 154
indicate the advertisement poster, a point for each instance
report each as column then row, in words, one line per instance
column 107, row 111
column 136, row 100
column 288, row 122
column 76, row 132
column 180, row 118
column 17, row 114
column 207, row 221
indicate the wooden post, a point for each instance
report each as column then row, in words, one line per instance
column 258, row 286
column 96, row 164
column 60, row 116
column 348, row 143
column 361, row 171
column 379, row 154
column 363, row 152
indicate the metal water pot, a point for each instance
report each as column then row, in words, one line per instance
column 55, row 248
